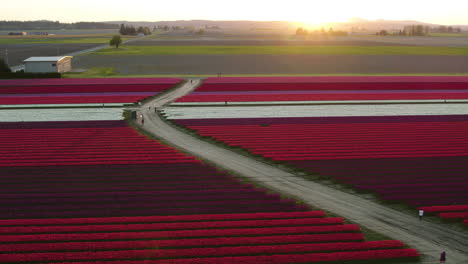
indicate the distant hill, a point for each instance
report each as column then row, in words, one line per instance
column 352, row 24
column 241, row 24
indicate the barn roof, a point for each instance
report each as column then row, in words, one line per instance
column 46, row 59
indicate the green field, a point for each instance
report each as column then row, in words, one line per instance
column 318, row 50
column 110, row 72
column 458, row 35
column 57, row 40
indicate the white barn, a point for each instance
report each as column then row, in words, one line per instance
column 59, row 64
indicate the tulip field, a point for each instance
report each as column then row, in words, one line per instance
column 417, row 160
column 100, row 192
column 280, row 89
column 77, row 91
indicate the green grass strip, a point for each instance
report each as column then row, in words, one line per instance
column 310, row 49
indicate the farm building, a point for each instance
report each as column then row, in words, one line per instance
column 48, row 64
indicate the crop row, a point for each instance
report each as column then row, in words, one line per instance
column 373, row 255
column 276, row 121
column 97, row 99
column 327, row 229
column 84, row 89
column 358, row 80
column 170, row 226
column 180, row 243
column 449, row 211
column 198, row 252
column 92, row 81
column 159, row 219
column 319, row 97
column 206, row 87
column 68, row 92
column 135, row 210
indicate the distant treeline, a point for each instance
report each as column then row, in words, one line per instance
column 132, row 31
column 420, row 30
column 53, row 25
column 321, row 32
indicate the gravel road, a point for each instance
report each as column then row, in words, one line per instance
column 428, row 238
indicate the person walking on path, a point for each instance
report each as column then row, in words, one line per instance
column 443, row 257
column 421, row 214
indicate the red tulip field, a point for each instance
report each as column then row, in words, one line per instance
column 100, row 192
column 417, row 160
column 77, row 91
column 328, row 89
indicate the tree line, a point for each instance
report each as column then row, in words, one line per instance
column 53, row 25
column 420, row 30
column 132, row 31
column 322, row 32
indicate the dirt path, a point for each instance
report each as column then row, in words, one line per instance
column 428, row 238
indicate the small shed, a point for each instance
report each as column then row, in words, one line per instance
column 59, row 64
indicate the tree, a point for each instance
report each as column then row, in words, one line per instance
column 123, row 30
column 3, row 66
column 115, row 41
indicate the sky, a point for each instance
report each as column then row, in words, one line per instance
column 314, row 12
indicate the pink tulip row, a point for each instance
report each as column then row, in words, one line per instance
column 449, row 211
column 180, row 243
column 135, row 210
column 170, row 226
column 340, row 228
column 199, row 252
column 444, row 208
column 159, row 219
column 93, row 81
column 372, row 80
column 228, row 97
column 334, row 257
column 329, row 86
column 98, row 88
column 96, row 99
column 92, row 92
column 454, row 215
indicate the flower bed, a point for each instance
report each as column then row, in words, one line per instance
column 416, row 160
column 328, row 89
column 100, row 192
column 81, row 91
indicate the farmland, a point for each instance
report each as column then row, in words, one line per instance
column 99, row 91
column 356, row 146
column 22, row 47
column 84, row 186
column 277, row 64
column 291, row 49
column 61, row 208
column 181, row 54
column 19, row 52
column 399, row 157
